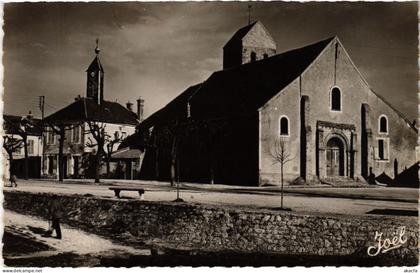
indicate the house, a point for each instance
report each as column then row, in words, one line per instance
column 312, row 100
column 118, row 123
column 13, row 128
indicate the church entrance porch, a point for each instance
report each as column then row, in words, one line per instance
column 335, row 150
column 335, row 157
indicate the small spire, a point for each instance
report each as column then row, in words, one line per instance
column 97, row 50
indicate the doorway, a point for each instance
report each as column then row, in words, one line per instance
column 335, row 157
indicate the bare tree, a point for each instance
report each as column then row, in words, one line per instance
column 281, row 156
column 110, row 144
column 25, row 124
column 97, row 131
column 172, row 134
column 11, row 145
column 60, row 129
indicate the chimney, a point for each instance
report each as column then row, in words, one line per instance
column 140, row 108
column 129, row 106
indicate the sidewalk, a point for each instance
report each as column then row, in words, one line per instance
column 74, row 241
column 410, row 195
column 309, row 200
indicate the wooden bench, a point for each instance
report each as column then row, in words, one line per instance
column 117, row 190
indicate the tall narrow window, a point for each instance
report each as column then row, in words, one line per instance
column 383, row 124
column 253, row 56
column 51, row 137
column 265, row 56
column 335, row 99
column 381, row 153
column 284, row 126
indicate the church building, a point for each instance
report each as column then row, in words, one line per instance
column 310, row 103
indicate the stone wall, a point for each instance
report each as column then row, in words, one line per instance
column 209, row 228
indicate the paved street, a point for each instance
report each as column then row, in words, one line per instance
column 355, row 201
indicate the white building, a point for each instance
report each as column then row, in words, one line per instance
column 116, row 120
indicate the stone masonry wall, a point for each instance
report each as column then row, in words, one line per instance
column 220, row 228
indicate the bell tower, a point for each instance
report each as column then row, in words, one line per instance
column 249, row 44
column 95, row 78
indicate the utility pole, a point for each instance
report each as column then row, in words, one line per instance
column 41, row 107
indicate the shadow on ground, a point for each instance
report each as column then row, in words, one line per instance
column 395, row 212
column 17, row 245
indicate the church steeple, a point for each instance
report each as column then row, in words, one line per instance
column 95, row 78
column 249, row 44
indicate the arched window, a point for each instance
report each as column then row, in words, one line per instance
column 253, row 56
column 383, row 124
column 335, row 99
column 265, row 56
column 284, row 126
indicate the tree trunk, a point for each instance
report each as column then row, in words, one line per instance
column 108, row 168
column 173, row 161
column 26, row 163
column 60, row 155
column 10, row 165
column 97, row 167
column 281, row 204
column 98, row 159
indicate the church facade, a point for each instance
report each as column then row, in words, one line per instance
column 311, row 104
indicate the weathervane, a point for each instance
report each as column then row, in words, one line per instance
column 97, row 50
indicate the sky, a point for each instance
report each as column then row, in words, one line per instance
column 157, row 50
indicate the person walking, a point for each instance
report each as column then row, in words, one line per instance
column 55, row 214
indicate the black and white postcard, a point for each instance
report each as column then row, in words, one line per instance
column 155, row 134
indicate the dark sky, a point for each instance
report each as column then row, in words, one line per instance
column 156, row 50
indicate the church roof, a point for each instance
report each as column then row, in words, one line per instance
column 248, row 87
column 95, row 65
column 86, row 109
column 240, row 34
column 176, row 107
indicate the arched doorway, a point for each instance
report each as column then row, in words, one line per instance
column 335, row 157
